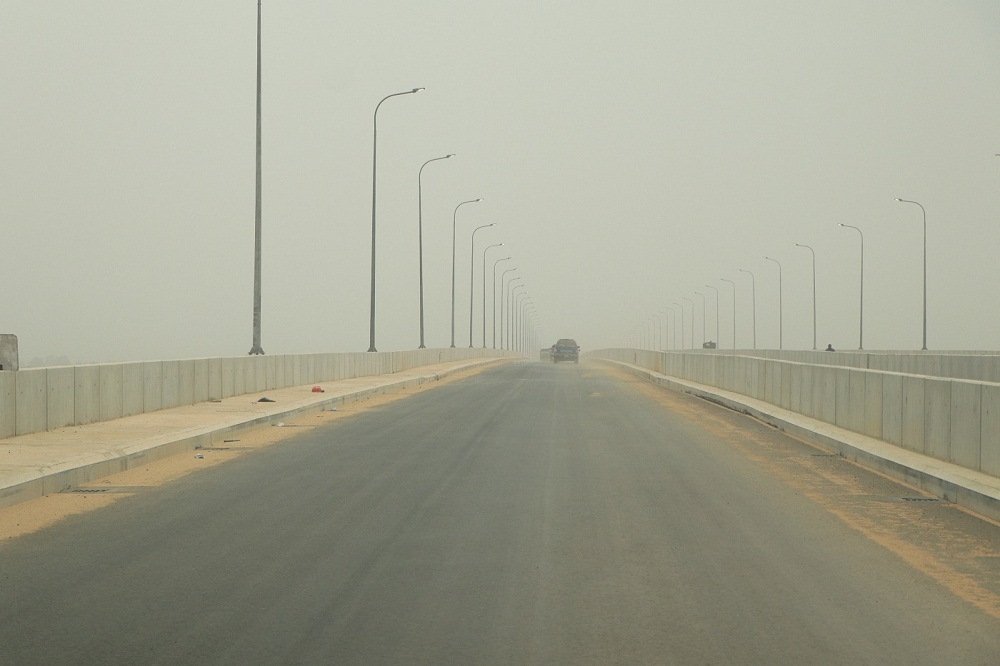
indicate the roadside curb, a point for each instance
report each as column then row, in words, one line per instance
column 971, row 489
column 53, row 476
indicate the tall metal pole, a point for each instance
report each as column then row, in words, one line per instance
column 371, row 327
column 518, row 312
column 420, row 238
column 682, row 323
column 472, row 276
column 493, row 298
column 691, row 301
column 780, row 338
column 520, row 327
column 484, row 287
column 672, row 328
column 861, row 314
column 814, row 287
column 256, row 348
column 718, row 343
column 734, row 309
column 510, row 313
column 703, row 303
column 924, row 348
column 753, row 293
column 503, row 292
column 454, row 224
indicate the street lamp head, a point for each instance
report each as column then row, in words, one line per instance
column 449, row 155
column 479, row 199
column 416, row 90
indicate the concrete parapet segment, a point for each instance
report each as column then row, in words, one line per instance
column 40, row 399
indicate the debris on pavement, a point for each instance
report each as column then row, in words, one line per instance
column 265, row 399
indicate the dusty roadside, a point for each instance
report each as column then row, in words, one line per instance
column 955, row 547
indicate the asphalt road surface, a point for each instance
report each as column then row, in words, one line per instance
column 530, row 514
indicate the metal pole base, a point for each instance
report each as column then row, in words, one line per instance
column 256, row 351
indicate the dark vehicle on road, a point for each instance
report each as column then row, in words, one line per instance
column 566, row 350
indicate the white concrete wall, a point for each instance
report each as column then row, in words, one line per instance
column 87, row 402
column 60, row 388
column 39, row 399
column 31, row 401
column 7, row 396
column 112, row 391
column 989, row 432
column 912, row 402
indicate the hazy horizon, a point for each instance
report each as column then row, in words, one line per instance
column 628, row 154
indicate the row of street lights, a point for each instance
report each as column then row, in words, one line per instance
column 256, row 345
column 861, row 300
column 454, row 248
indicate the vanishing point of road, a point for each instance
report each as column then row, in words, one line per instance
column 528, row 514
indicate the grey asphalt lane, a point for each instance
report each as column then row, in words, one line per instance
column 531, row 514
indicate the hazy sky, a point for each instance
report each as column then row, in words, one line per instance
column 629, row 153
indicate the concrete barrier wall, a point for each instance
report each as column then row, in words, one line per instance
column 7, row 404
column 39, row 399
column 980, row 366
column 949, row 418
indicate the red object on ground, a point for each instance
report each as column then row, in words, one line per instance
column 317, row 389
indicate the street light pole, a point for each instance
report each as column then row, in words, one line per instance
column 505, row 298
column 503, row 292
column 924, row 348
column 472, row 276
column 753, row 301
column 255, row 348
column 371, row 346
column 718, row 343
column 682, row 323
column 519, row 304
column 703, row 305
column 666, row 331
column 493, row 298
column 814, row 288
column 420, row 238
column 484, row 286
column 673, row 327
column 691, row 301
column 511, row 301
column 780, row 336
column 734, row 309
column 454, row 224
column 861, row 315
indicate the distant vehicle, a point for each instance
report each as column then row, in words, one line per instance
column 566, row 350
